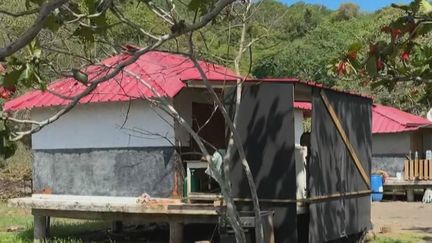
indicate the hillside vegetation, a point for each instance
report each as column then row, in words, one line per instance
column 300, row 40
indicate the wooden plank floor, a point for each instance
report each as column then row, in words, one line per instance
column 111, row 204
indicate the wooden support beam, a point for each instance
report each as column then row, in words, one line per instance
column 345, row 139
column 410, row 195
column 117, row 226
column 406, row 169
column 421, row 165
column 430, row 169
column 411, row 170
column 40, row 228
column 176, row 232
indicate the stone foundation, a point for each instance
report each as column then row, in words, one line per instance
column 127, row 172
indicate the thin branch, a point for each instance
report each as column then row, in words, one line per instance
column 115, row 70
column 20, row 14
column 45, row 10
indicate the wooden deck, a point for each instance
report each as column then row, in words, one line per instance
column 408, row 186
column 123, row 209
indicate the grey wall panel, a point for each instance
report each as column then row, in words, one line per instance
column 392, row 163
column 106, row 172
column 266, row 127
column 332, row 169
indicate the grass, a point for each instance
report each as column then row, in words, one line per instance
column 62, row 230
column 76, row 231
column 402, row 237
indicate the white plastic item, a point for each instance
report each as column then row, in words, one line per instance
column 399, row 176
column 428, row 154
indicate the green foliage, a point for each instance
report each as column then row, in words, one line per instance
column 398, row 55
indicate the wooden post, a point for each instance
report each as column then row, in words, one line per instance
column 416, row 169
column 176, row 232
column 410, row 195
column 426, row 170
column 421, row 164
column 406, row 170
column 430, row 169
column 117, row 226
column 41, row 228
column 411, row 170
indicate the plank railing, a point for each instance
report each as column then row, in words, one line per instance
column 418, row 169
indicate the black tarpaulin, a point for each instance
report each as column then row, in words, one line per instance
column 332, row 169
column 266, row 126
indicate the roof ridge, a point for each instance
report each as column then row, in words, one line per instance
column 391, row 118
column 406, row 124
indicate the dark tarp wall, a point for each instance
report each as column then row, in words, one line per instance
column 266, row 126
column 332, row 170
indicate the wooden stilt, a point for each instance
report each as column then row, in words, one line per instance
column 117, row 226
column 176, row 232
column 41, row 228
column 410, row 195
column 421, row 165
column 406, row 169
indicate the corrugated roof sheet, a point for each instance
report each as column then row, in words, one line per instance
column 163, row 71
column 386, row 119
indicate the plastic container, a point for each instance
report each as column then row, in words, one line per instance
column 195, row 183
column 377, row 187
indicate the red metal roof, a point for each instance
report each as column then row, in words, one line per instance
column 163, row 71
column 386, row 119
column 303, row 105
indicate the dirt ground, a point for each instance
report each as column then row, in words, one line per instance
column 394, row 217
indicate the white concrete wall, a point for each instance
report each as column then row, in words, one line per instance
column 298, row 125
column 99, row 126
column 392, row 143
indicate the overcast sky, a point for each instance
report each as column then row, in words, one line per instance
column 366, row 5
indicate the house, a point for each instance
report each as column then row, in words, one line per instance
column 396, row 135
column 116, row 145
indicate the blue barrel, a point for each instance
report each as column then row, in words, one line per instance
column 377, row 187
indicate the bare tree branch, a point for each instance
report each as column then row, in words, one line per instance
column 115, row 70
column 45, row 10
column 237, row 142
column 19, row 14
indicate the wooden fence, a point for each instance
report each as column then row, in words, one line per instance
column 418, row 170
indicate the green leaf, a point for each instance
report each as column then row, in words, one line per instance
column 424, row 7
column 371, row 66
column 91, row 5
column 53, row 23
column 11, row 78
column 357, row 46
column 85, row 33
column 37, row 2
column 27, row 75
column 80, row 76
column 200, row 5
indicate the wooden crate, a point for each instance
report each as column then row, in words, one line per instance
column 418, row 170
